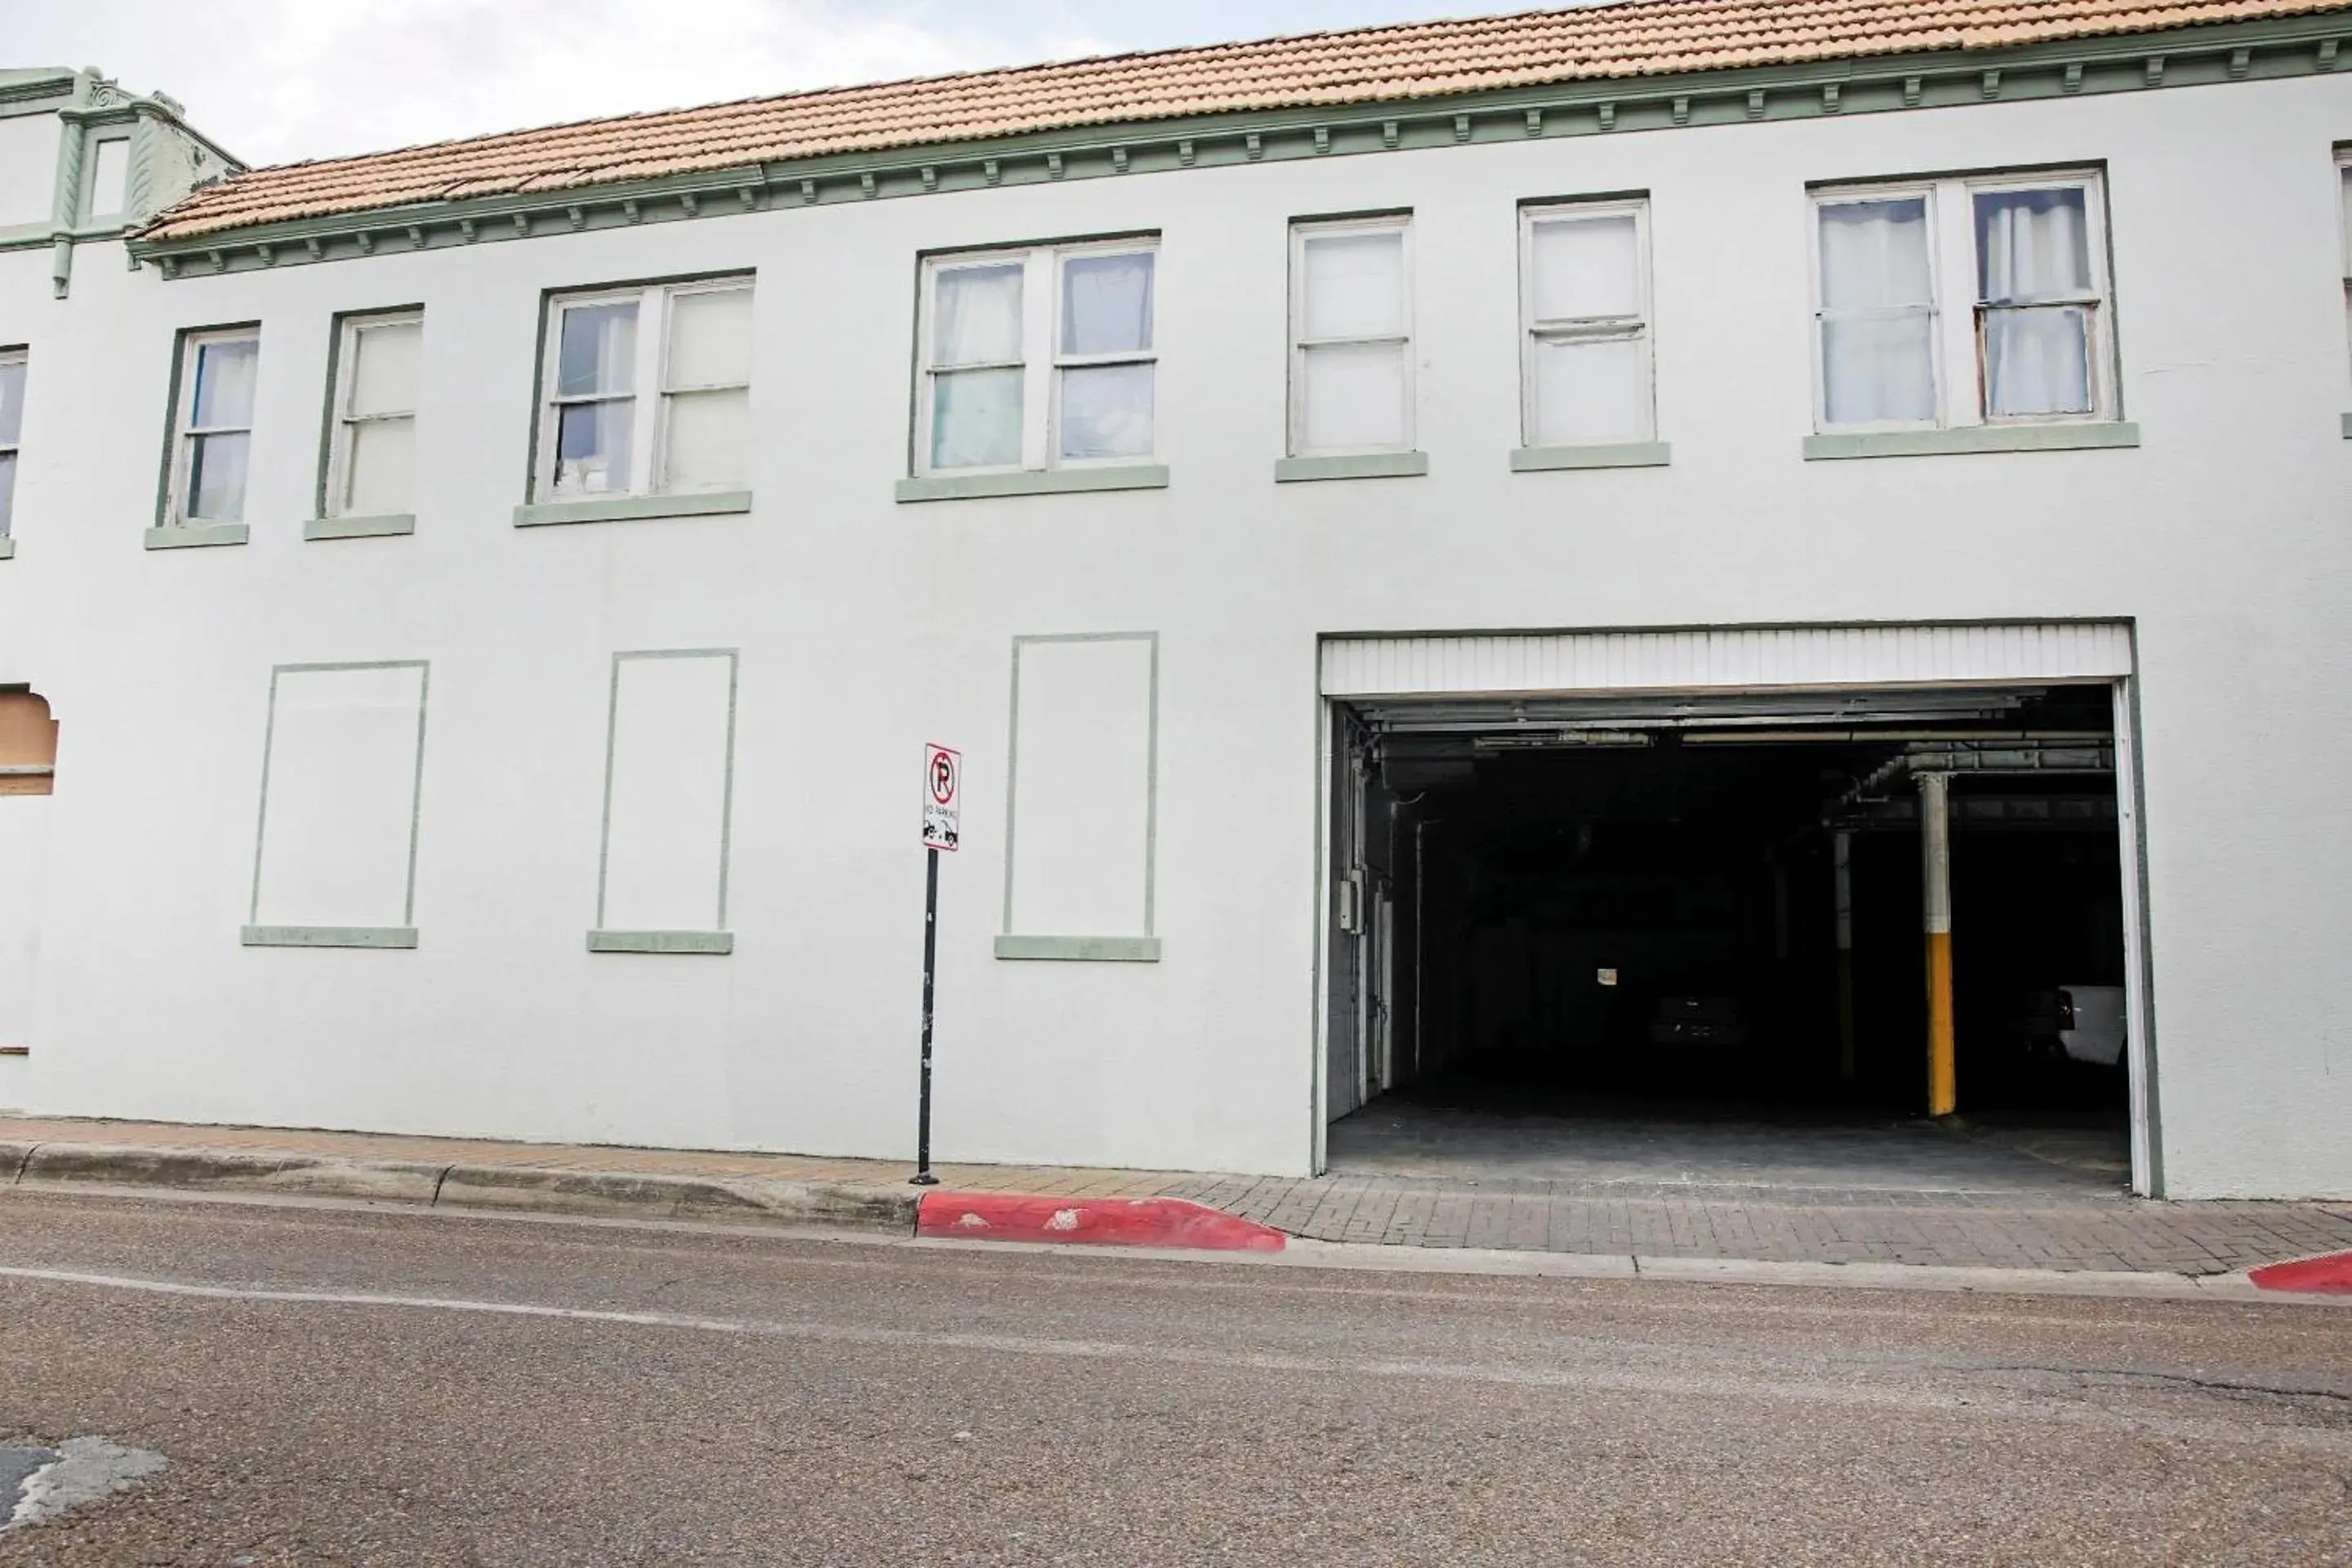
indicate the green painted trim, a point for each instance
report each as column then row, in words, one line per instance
column 1628, row 455
column 734, row 658
column 1356, row 466
column 196, row 535
column 709, row 941
column 2084, row 436
column 1150, row 764
column 383, row 527
column 1033, row 482
column 424, row 669
column 328, row 936
column 2270, row 48
column 631, row 509
column 2347, row 426
column 8, row 548
column 1082, row 949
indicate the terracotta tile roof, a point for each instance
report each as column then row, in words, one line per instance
column 1638, row 37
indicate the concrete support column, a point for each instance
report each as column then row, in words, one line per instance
column 1841, row 859
column 1935, row 851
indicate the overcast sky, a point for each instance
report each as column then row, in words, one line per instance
column 276, row 80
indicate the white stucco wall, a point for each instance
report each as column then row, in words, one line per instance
column 868, row 628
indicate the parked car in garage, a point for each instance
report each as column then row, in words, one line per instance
column 2083, row 1023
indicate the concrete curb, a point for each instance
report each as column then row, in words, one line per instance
column 751, row 1200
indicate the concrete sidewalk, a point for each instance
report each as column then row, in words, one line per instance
column 1779, row 1224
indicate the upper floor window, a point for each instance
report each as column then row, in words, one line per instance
column 107, row 192
column 1350, row 337
column 371, row 460
column 1038, row 359
column 213, row 425
column 1586, row 376
column 1899, row 345
column 647, row 391
column 12, row 426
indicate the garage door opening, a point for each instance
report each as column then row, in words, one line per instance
column 1689, row 937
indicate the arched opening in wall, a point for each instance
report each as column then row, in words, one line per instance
column 28, row 743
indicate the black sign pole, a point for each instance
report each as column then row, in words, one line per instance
column 923, row 1177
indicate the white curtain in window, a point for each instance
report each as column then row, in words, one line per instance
column 1106, row 304
column 976, row 320
column 225, row 373
column 2034, row 245
column 599, row 350
column 1877, row 313
column 710, row 338
column 1586, row 269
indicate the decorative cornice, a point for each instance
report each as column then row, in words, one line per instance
column 2268, row 50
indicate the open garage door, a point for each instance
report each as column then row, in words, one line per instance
column 1592, row 893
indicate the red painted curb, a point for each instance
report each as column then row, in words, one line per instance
column 2329, row 1276
column 1103, row 1222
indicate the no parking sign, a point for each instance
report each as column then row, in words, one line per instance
column 943, row 796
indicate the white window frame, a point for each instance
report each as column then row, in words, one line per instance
column 1956, row 335
column 1640, row 327
column 1301, row 231
column 22, row 355
column 345, row 435
column 1042, row 359
column 648, row 383
column 184, row 426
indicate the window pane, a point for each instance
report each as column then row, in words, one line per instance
column 711, row 338
column 381, row 459
column 976, row 419
column 591, row 446
column 1585, row 267
column 1355, row 285
column 1590, row 392
column 1107, row 411
column 216, row 478
column 705, row 440
column 2038, row 360
column 1355, row 396
column 2031, row 244
column 599, row 350
column 8, row 490
column 11, row 401
column 1875, row 254
column 110, row 180
column 1878, row 369
column 977, row 315
column 383, row 367
column 1106, row 304
column 225, row 377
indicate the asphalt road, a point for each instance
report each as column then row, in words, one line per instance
column 333, row 1386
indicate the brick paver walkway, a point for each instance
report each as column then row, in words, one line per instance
column 1768, row 1224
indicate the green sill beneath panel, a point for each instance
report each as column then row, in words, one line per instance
column 1356, row 466
column 631, row 509
column 2347, row 426
column 329, row 936
column 383, row 527
column 2061, row 437
column 712, row 942
column 190, row 535
column 1034, row 482
column 1623, row 454
column 1082, row 949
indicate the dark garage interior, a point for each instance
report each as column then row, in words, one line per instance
column 1561, row 921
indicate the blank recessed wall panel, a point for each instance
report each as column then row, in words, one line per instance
column 1083, row 752
column 338, row 797
column 667, row 795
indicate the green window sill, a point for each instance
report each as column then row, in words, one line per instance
column 712, row 942
column 2061, row 437
column 8, row 548
column 196, row 535
column 1033, row 482
column 383, row 527
column 329, row 936
column 1622, row 455
column 631, row 509
column 1082, row 949
column 1356, row 466
column 2347, row 426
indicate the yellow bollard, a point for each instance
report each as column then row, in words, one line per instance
column 1935, row 850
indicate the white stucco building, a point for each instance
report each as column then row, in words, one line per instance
column 493, row 598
